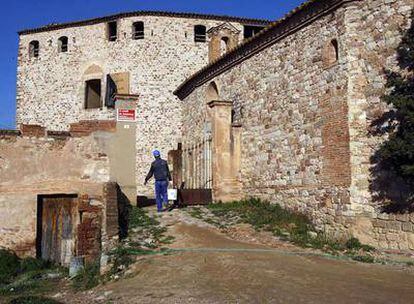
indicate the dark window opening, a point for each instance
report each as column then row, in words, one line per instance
column 200, row 33
column 34, row 49
column 252, row 30
column 335, row 49
column 112, row 31
column 93, row 94
column 224, row 45
column 138, row 30
column 330, row 54
column 63, row 44
column 233, row 116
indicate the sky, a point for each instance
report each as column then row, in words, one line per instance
column 24, row 14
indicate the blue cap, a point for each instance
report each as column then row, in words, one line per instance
column 156, row 153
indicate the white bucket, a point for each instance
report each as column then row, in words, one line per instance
column 172, row 194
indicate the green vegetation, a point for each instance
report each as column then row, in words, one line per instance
column 9, row 266
column 26, row 276
column 146, row 238
column 287, row 225
column 87, row 278
column 355, row 244
column 33, row 300
column 396, row 154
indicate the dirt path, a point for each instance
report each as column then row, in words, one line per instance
column 208, row 267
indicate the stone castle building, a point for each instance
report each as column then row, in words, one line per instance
column 281, row 113
column 63, row 69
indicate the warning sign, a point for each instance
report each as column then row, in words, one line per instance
column 126, row 115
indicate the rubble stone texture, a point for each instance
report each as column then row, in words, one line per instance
column 305, row 119
column 302, row 106
column 51, row 88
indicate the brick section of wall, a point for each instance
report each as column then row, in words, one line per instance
column 86, row 127
column 336, row 153
column 111, row 202
column 89, row 230
column 32, row 130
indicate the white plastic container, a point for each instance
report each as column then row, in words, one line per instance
column 172, row 194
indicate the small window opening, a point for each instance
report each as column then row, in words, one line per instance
column 233, row 116
column 212, row 92
column 224, row 45
column 335, row 49
column 34, row 48
column 63, row 44
column 200, row 33
column 112, row 31
column 331, row 53
column 252, row 30
column 93, row 94
column 138, row 30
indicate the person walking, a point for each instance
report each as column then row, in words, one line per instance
column 159, row 169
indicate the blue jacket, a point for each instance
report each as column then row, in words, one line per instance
column 160, row 171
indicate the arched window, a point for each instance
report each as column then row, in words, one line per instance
column 331, row 53
column 138, row 30
column 335, row 49
column 200, row 33
column 63, row 44
column 34, row 48
column 212, row 92
column 224, row 45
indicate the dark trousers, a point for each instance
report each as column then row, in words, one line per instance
column 161, row 193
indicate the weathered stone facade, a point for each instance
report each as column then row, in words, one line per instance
column 284, row 116
column 51, row 87
column 57, row 168
column 305, row 101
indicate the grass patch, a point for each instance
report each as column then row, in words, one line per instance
column 355, row 244
column 288, row 225
column 141, row 227
column 27, row 276
column 33, row 300
column 87, row 278
column 363, row 258
column 196, row 213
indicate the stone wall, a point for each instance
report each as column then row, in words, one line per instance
column 33, row 166
column 305, row 119
column 374, row 30
column 286, row 100
column 51, row 88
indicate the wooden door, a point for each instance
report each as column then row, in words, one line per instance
column 57, row 242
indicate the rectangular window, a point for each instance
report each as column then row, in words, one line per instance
column 93, row 94
column 138, row 30
column 112, row 31
column 200, row 33
column 252, row 30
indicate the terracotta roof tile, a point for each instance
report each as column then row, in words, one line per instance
column 57, row 26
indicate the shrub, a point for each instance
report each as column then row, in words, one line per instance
column 9, row 266
column 88, row 277
column 355, row 244
column 33, row 300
